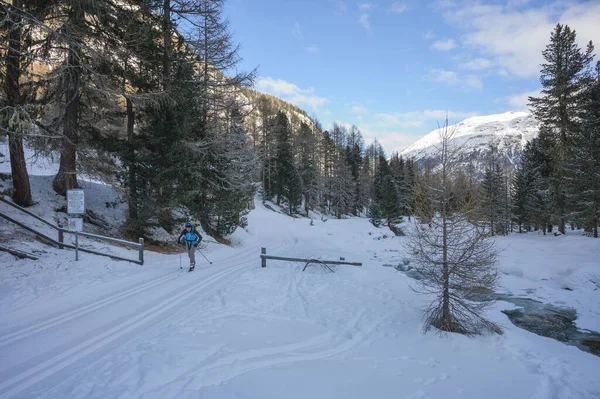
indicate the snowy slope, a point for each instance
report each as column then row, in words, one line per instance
column 509, row 132
column 98, row 328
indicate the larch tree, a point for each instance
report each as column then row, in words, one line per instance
column 454, row 257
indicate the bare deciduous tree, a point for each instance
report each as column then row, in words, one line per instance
column 454, row 257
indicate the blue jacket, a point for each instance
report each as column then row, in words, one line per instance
column 190, row 237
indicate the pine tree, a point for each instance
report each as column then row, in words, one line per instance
column 293, row 189
column 236, row 167
column 342, row 184
column 375, row 215
column 400, row 171
column 354, row 159
column 533, row 197
column 327, row 166
column 267, row 144
column 386, row 194
column 288, row 183
column 585, row 165
column 494, row 199
column 522, row 192
column 564, row 75
column 307, row 167
column 410, row 185
column 141, row 85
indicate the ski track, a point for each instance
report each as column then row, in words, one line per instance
column 96, row 304
column 108, row 335
column 219, row 365
column 320, row 347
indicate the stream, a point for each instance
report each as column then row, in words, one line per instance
column 539, row 318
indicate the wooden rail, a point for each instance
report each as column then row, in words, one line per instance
column 18, row 253
column 60, row 242
column 342, row 261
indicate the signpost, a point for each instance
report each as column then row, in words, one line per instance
column 75, row 202
column 76, row 206
column 75, row 224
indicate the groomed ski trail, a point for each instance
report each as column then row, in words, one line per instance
column 19, row 375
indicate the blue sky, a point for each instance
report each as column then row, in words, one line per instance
column 395, row 67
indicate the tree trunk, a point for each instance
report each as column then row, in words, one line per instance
column 561, row 223
column 18, row 167
column 167, row 44
column 306, row 207
column 66, row 177
column 133, row 195
column 446, row 273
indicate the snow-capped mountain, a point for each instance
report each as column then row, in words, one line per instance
column 475, row 137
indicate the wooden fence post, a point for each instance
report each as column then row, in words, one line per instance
column 263, row 260
column 141, row 251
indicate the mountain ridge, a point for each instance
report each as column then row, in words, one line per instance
column 479, row 139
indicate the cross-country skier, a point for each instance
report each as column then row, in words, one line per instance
column 190, row 238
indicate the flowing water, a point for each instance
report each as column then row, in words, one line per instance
column 539, row 318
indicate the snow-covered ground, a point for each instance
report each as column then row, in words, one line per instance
column 99, row 328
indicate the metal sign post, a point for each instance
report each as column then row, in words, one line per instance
column 76, row 206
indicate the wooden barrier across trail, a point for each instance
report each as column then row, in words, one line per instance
column 323, row 263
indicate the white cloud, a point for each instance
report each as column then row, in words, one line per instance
column 359, row 110
column 429, row 35
column 312, row 49
column 455, row 79
column 416, row 119
column 342, row 7
column 517, row 3
column 391, row 140
column 514, row 38
column 290, row 92
column 397, row 131
column 394, row 141
column 444, row 45
column 297, row 31
column 519, row 102
column 365, row 6
column 364, row 21
column 476, row 64
column 440, row 5
column 398, row 7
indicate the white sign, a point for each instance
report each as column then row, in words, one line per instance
column 75, row 224
column 75, row 202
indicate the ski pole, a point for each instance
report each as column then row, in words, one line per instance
column 181, row 267
column 204, row 256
